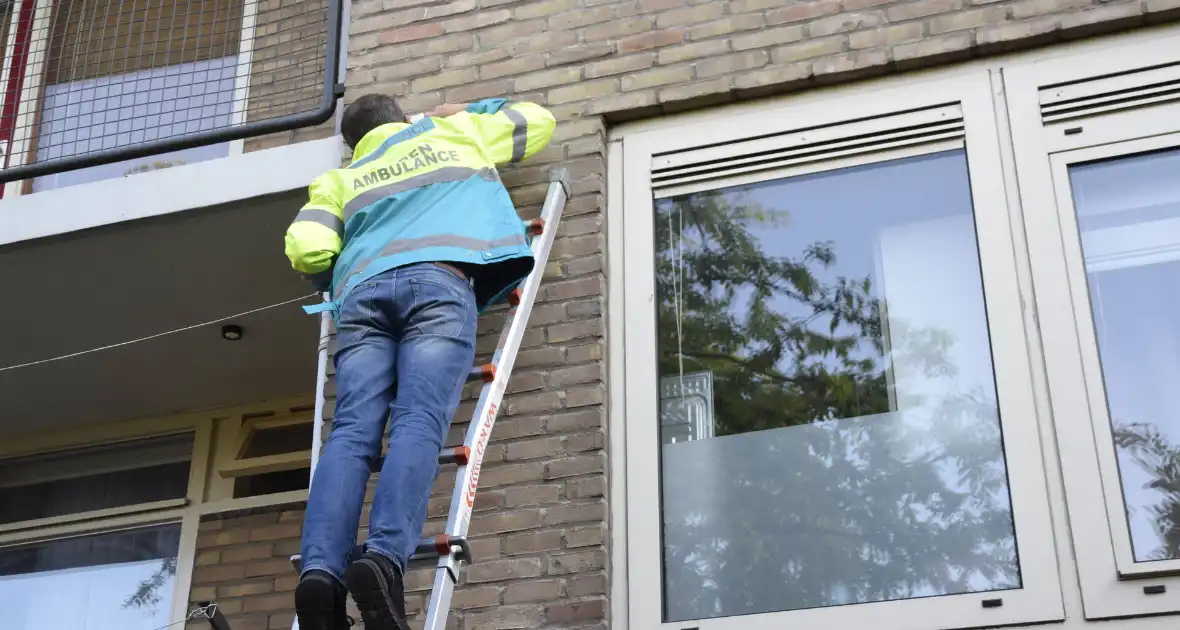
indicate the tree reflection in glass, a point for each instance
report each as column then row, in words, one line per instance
column 829, row 420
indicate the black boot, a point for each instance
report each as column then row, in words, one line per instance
column 319, row 602
column 376, row 587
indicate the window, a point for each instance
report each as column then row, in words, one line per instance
column 88, row 76
column 1097, row 149
column 107, row 477
column 856, row 453
column 109, row 528
column 110, row 552
column 827, row 398
column 271, row 453
column 112, row 581
column 1128, row 214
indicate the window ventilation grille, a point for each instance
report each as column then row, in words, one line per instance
column 812, row 145
column 1093, row 97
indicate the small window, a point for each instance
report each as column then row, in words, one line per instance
column 95, row 478
column 273, row 453
column 118, row 580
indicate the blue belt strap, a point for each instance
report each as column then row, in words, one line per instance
column 315, row 309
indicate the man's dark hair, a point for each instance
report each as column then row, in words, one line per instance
column 366, row 114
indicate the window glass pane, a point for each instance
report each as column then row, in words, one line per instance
column 128, row 109
column 1128, row 214
column 95, row 478
column 271, row 483
column 278, row 440
column 829, row 419
column 116, row 581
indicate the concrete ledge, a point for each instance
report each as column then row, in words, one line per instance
column 166, row 191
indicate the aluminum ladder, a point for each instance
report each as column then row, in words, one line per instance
column 450, row 549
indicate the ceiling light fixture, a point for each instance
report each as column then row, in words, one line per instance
column 231, row 332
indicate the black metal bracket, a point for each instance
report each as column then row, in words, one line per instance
column 212, row 611
column 333, row 90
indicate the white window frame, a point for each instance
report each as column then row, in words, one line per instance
column 209, row 491
column 182, row 511
column 1112, row 584
column 30, row 100
column 633, row 311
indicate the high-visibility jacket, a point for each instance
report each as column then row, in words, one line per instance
column 426, row 192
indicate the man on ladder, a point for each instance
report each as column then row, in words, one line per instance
column 413, row 239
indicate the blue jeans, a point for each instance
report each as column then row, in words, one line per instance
column 406, row 343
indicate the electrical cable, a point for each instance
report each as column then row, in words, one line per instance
column 200, row 612
column 157, row 335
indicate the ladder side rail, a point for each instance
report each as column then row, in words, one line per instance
column 321, row 377
column 480, row 430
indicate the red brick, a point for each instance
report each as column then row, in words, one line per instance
column 582, row 585
column 500, row 570
column 410, row 33
column 532, row 542
column 647, row 41
column 569, row 612
column 533, row 591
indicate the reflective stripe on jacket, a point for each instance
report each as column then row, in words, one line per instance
column 426, row 192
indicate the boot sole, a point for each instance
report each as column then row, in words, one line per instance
column 315, row 605
column 370, row 590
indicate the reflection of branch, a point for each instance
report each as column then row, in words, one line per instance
column 742, row 363
column 147, row 594
column 1159, row 458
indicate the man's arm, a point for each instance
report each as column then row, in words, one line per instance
column 510, row 131
column 316, row 236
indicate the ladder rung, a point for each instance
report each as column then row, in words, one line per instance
column 535, row 227
column 485, row 373
column 442, row 545
column 427, row 549
column 457, row 455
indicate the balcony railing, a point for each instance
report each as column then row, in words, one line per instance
column 93, row 89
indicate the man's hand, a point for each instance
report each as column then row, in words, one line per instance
column 447, row 109
column 322, row 281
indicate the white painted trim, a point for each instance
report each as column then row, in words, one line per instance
column 187, row 512
column 29, row 103
column 165, row 191
column 241, row 97
column 190, row 524
column 1040, row 599
column 186, row 556
column 1092, row 366
column 6, row 60
column 1068, row 358
column 247, row 503
column 815, row 165
column 248, row 466
column 616, row 386
column 80, row 518
column 342, row 72
column 73, row 530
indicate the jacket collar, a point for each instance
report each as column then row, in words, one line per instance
column 374, row 138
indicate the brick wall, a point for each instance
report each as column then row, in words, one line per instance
column 287, row 68
column 540, row 527
column 242, row 563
